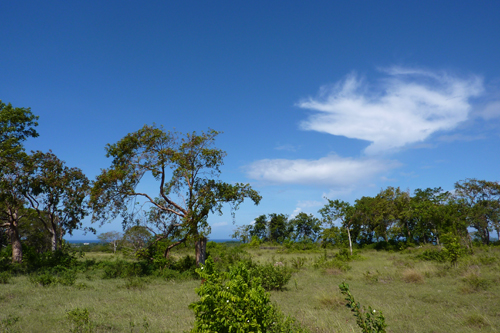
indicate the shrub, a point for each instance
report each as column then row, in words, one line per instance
column 298, row 263
column 80, row 321
column 43, row 279
column 235, row 301
column 273, row 277
column 370, row 321
column 135, row 283
column 371, row 277
column 433, row 255
column 5, row 277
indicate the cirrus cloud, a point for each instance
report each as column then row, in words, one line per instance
column 407, row 107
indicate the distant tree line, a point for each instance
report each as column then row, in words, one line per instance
column 393, row 215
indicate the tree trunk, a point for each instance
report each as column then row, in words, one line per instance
column 54, row 241
column 350, row 242
column 201, row 251
column 17, row 250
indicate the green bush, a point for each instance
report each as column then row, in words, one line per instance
column 80, row 321
column 433, row 255
column 5, row 277
column 273, row 276
column 43, row 279
column 235, row 301
column 56, row 275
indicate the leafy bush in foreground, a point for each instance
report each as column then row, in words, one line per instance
column 235, row 301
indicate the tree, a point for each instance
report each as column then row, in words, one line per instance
column 58, row 194
column 186, row 169
column 305, row 227
column 481, row 200
column 339, row 210
column 242, row 233
column 111, row 237
column 16, row 125
column 279, row 229
column 260, row 228
column 137, row 237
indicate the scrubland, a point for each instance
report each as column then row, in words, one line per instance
column 413, row 294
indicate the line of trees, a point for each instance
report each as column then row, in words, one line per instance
column 38, row 191
column 392, row 215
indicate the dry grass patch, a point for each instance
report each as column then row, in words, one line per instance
column 473, row 282
column 332, row 301
column 411, row 275
column 475, row 321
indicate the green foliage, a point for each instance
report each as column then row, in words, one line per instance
column 183, row 202
column 452, row 247
column 43, row 279
column 433, row 255
column 80, row 321
column 370, row 321
column 225, row 256
column 272, row 276
column 65, row 257
column 122, row 269
column 298, row 262
column 5, row 277
column 235, row 301
column 16, row 125
column 56, row 275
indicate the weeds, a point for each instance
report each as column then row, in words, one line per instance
column 475, row 320
column 473, row 282
column 371, row 277
column 80, row 321
column 370, row 321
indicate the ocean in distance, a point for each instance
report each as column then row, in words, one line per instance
column 93, row 241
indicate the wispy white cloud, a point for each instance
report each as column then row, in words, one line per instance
column 332, row 170
column 490, row 111
column 460, row 137
column 405, row 107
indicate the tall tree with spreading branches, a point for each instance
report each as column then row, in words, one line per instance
column 58, row 194
column 16, row 125
column 186, row 169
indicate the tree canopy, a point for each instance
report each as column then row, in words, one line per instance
column 186, row 169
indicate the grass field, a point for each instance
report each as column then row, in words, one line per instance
column 415, row 296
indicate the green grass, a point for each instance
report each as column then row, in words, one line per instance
column 415, row 296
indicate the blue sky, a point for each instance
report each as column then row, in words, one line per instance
column 316, row 98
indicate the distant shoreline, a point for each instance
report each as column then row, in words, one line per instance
column 94, row 241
